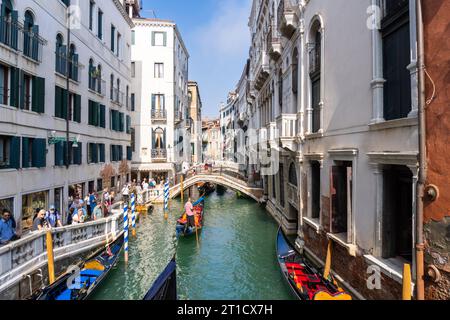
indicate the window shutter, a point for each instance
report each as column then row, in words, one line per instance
column 14, row 29
column 38, row 99
column 129, row 154
column 96, row 150
column 62, row 55
column 80, row 154
column 77, row 109
column 153, row 139
column 58, row 102
column 14, row 160
column 121, row 120
column 35, row 43
column 59, row 154
column 102, row 116
column 15, row 87
column 64, row 103
column 102, row 152
column 21, row 90
column 164, row 139
column 95, row 113
column 39, row 153
column 25, row 150
column 2, row 23
column 113, row 31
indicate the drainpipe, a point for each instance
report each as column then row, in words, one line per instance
column 67, row 155
column 422, row 156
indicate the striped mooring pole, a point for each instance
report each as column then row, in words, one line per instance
column 125, row 230
column 133, row 213
column 166, row 199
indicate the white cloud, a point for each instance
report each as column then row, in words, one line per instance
column 226, row 33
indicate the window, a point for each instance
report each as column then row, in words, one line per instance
column 315, row 190
column 31, row 202
column 92, row 153
column 100, row 24
column 61, row 52
column 99, row 185
column 295, row 72
column 159, row 139
column 293, row 175
column 33, row 153
column 133, row 99
column 119, row 41
column 9, row 152
column 341, row 196
column 281, row 175
column 28, row 27
column 92, row 74
column 159, row 39
column 91, row 15
column 97, row 114
column 397, row 226
column 9, row 27
column 113, row 38
column 158, row 102
column 111, row 85
column 395, row 30
column 315, row 76
column 133, row 69
column 159, row 70
column 133, row 37
column 133, row 139
column 73, row 63
column 280, row 90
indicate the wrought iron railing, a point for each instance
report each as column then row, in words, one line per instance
column 159, row 114
column 118, row 96
column 159, row 154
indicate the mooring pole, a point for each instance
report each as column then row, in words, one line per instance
column 50, row 257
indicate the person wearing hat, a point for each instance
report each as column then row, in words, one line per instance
column 53, row 217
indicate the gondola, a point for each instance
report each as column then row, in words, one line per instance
column 165, row 287
column 72, row 286
column 206, row 188
column 305, row 281
column 182, row 229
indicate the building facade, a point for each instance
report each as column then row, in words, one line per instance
column 195, row 122
column 341, row 121
column 227, row 125
column 160, row 98
column 211, row 142
column 52, row 87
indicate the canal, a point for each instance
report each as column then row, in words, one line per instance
column 235, row 258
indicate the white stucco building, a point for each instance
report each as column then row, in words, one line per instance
column 160, row 63
column 33, row 107
column 333, row 86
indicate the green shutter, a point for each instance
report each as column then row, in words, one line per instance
column 39, row 153
column 21, row 89
column 113, row 34
column 90, row 112
column 25, row 151
column 38, row 99
column 64, row 104
column 15, row 87
column 78, row 156
column 102, row 116
column 2, row 23
column 121, row 122
column 14, row 161
column 77, row 108
column 58, row 102
column 102, row 152
column 59, row 153
column 35, row 43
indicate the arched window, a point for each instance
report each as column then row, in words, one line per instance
column 293, row 175
column 118, row 91
column 92, row 72
column 60, row 54
column 127, row 97
column 9, row 26
column 159, row 139
column 315, row 57
column 28, row 33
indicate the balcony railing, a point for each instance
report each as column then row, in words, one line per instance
column 61, row 66
column 178, row 116
column 287, row 17
column 159, row 115
column 159, row 154
column 287, row 126
column 118, row 96
column 261, row 70
column 32, row 45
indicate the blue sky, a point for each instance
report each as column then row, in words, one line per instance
column 217, row 37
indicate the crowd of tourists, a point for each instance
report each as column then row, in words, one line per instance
column 92, row 207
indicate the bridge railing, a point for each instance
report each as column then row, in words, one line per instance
column 27, row 255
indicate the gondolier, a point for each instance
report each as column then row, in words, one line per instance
column 189, row 208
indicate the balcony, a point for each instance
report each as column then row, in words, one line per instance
column 73, row 67
column 159, row 155
column 287, row 17
column 159, row 115
column 178, row 116
column 287, row 129
column 117, row 96
column 262, row 70
column 274, row 43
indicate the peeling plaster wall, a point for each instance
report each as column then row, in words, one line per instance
column 437, row 60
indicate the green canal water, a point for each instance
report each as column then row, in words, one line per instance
column 235, row 258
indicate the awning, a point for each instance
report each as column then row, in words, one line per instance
column 154, row 167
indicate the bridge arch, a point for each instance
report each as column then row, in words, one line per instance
column 229, row 182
